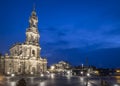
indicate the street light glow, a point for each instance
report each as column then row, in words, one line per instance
column 81, row 72
column 52, row 67
column 12, row 75
column 82, row 65
column 88, row 74
column 82, row 79
column 31, row 72
column 8, row 72
column 42, row 75
column 52, row 75
column 116, row 85
column 68, row 72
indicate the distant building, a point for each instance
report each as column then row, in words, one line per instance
column 106, row 71
column 117, row 72
column 61, row 66
column 2, row 64
column 25, row 57
column 84, row 70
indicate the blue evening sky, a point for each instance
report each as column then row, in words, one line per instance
column 70, row 30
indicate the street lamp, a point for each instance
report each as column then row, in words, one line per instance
column 81, row 72
column 42, row 75
column 88, row 74
column 87, row 79
column 12, row 75
column 82, row 65
column 8, row 73
column 52, row 67
column 32, row 73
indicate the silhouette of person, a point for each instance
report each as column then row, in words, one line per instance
column 21, row 82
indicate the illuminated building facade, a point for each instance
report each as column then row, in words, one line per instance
column 61, row 66
column 25, row 57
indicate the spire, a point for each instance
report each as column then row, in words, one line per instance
column 33, row 18
column 33, row 28
column 34, row 7
column 33, row 11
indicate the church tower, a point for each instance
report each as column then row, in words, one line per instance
column 32, row 34
column 25, row 57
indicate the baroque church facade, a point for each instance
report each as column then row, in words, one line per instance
column 25, row 57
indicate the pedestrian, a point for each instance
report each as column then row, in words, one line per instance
column 21, row 82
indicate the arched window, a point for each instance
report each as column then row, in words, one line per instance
column 33, row 52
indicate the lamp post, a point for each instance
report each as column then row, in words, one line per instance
column 52, row 68
column 81, row 73
column 13, row 67
column 82, row 70
column 87, row 79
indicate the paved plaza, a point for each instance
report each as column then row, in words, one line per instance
column 53, row 80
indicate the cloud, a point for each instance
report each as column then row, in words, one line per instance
column 69, row 36
column 98, row 57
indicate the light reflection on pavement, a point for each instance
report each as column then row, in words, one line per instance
column 58, row 81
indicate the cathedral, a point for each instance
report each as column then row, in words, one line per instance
column 25, row 57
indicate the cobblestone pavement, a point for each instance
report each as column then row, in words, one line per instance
column 60, row 81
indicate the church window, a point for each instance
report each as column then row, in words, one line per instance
column 33, row 52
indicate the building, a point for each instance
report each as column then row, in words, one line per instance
column 1, row 64
column 25, row 57
column 83, row 70
column 61, row 67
